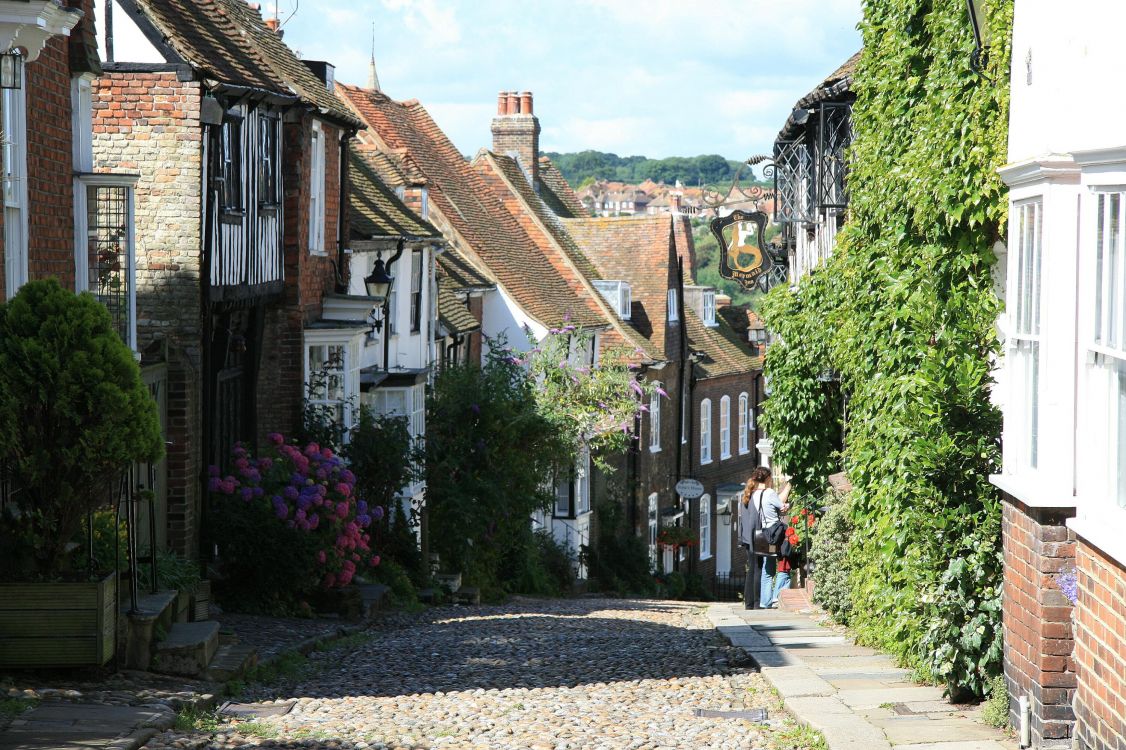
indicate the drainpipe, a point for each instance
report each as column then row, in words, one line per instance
column 341, row 213
column 387, row 308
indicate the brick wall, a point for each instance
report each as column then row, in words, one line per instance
column 308, row 277
column 50, row 166
column 148, row 123
column 1037, row 618
column 1100, row 651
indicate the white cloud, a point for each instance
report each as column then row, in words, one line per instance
column 435, row 22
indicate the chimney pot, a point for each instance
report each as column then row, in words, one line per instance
column 502, row 97
column 512, row 103
column 273, row 24
column 526, row 103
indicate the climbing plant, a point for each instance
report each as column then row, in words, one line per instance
column 905, row 312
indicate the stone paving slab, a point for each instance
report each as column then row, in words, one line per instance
column 849, row 692
column 61, row 726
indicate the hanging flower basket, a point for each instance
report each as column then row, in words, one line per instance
column 674, row 537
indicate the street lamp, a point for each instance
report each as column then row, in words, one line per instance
column 981, row 31
column 11, row 69
column 378, row 284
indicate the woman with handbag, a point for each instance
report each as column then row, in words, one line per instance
column 769, row 508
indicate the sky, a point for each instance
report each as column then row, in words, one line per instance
column 657, row 78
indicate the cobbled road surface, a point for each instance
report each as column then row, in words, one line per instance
column 539, row 674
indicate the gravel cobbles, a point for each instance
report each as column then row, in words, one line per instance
column 539, row 674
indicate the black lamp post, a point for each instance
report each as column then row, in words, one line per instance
column 378, row 284
column 981, row 32
column 11, row 70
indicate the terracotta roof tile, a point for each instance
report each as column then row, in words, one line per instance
column 723, row 351
column 375, row 210
column 456, row 273
column 454, row 314
column 462, row 197
column 557, row 193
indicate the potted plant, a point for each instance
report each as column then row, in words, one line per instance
column 74, row 415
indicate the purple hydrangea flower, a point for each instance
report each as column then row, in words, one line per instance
column 1068, row 583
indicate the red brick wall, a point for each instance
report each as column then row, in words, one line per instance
column 1037, row 618
column 148, row 123
column 50, row 166
column 476, row 308
column 1100, row 651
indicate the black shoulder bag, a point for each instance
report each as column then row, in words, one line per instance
column 767, row 541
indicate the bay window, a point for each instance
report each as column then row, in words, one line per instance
column 332, row 375
column 1023, row 417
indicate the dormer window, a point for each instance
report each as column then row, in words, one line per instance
column 674, row 308
column 709, row 307
column 619, row 294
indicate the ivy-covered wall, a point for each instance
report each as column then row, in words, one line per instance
column 905, row 311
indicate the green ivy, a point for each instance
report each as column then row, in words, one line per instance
column 905, row 311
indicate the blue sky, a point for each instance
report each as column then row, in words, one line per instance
column 658, row 78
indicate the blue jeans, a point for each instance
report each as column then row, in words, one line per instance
column 773, row 582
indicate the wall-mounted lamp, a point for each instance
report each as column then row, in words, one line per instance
column 378, row 283
column 11, row 69
column 981, row 32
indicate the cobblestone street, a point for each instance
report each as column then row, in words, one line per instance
column 587, row 673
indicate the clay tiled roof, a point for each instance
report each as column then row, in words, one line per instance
column 453, row 313
column 557, row 193
column 837, row 85
column 375, row 210
column 633, row 249
column 551, row 237
column 227, row 40
column 741, row 318
column 724, row 353
column 456, row 273
column 461, row 196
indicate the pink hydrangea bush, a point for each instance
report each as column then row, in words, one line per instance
column 311, row 491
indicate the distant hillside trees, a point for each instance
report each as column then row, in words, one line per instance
column 586, row 166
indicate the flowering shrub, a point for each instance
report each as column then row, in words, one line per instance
column 305, row 504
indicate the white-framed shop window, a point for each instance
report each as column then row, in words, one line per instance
column 655, row 421
column 317, row 190
column 744, row 423
column 13, row 107
column 1022, row 427
column 706, row 431
column 705, row 527
column 725, row 428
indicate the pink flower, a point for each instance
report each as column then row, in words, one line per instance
column 326, row 452
column 344, row 489
column 342, row 510
column 321, row 556
column 312, row 449
column 374, row 561
column 275, row 438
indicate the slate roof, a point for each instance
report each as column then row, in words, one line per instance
column 557, row 192
column 633, row 249
column 228, row 41
column 375, row 209
column 473, row 211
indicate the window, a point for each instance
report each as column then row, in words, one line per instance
column 564, row 487
column 109, row 253
column 1108, row 352
column 230, row 163
column 326, row 370
column 625, row 301
column 409, row 402
column 14, row 107
column 653, row 529
column 674, row 309
column 1024, row 337
column 709, row 307
column 618, row 294
column 572, row 489
column 269, row 182
column 655, row 421
column 745, row 419
column 706, row 431
column 317, row 191
column 416, row 291
column 705, row 527
column 725, row 427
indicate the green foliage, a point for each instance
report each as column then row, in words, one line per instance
column 672, row 585
column 617, row 560
column 995, row 713
column 905, row 312
column 832, row 564
column 488, row 450
column 548, row 567
column 585, row 166
column 172, row 572
column 73, row 415
column 394, row 576
column 13, row 707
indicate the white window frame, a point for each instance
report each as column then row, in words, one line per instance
column 83, row 185
column 625, row 301
column 725, row 428
column 1024, row 348
column 13, row 126
column 654, row 527
column 655, row 420
column 347, row 341
column 317, row 152
column 674, row 308
column 705, row 527
column 744, row 423
column 706, row 431
column 410, row 402
column 709, row 308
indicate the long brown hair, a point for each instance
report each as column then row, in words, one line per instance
column 758, row 477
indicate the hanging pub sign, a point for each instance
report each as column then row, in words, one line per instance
column 743, row 256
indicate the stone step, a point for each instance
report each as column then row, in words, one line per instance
column 188, row 649
column 468, row 595
column 231, row 661
column 155, row 614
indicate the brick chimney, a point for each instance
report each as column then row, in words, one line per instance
column 516, row 131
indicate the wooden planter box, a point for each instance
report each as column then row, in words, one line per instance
column 57, row 624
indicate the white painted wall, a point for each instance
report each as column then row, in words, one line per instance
column 129, row 44
column 501, row 315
